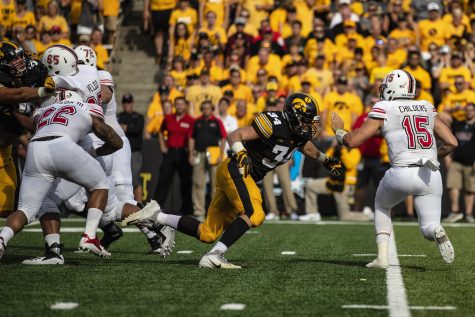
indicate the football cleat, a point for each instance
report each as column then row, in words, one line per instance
column 443, row 243
column 147, row 214
column 93, row 246
column 2, row 248
column 216, row 260
column 155, row 244
column 112, row 233
column 167, row 237
column 271, row 216
column 379, row 264
column 53, row 256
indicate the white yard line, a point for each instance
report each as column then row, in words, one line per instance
column 397, row 297
column 233, row 306
column 384, row 307
column 399, row 255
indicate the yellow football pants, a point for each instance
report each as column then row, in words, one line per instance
column 234, row 196
column 7, row 181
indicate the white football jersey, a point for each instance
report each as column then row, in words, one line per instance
column 409, row 131
column 110, row 109
column 66, row 118
column 86, row 82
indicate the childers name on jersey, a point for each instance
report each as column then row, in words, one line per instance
column 413, row 108
column 93, row 86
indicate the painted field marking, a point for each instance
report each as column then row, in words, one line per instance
column 184, row 252
column 399, row 255
column 397, row 297
column 64, row 305
column 288, row 252
column 384, row 307
column 363, row 279
column 252, row 232
column 233, row 306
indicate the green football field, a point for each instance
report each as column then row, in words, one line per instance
column 323, row 275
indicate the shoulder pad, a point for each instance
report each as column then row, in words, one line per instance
column 263, row 125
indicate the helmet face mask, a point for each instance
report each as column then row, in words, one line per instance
column 398, row 84
column 301, row 111
column 13, row 58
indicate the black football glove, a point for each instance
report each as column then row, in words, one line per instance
column 333, row 165
column 244, row 163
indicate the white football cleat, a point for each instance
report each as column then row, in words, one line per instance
column 2, row 248
column 168, row 240
column 216, row 260
column 443, row 243
column 93, row 246
column 379, row 264
column 311, row 217
column 53, row 256
column 146, row 214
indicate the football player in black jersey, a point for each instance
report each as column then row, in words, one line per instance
column 258, row 149
column 20, row 77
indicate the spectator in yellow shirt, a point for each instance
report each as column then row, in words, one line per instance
column 220, row 7
column 270, row 62
column 456, row 68
column 381, row 70
column 110, row 11
column 350, row 33
column 240, row 91
column 22, row 16
column 181, row 43
column 216, row 34
column 243, row 19
column 243, row 116
column 160, row 106
column 432, row 30
column 456, row 28
column 403, row 33
column 346, row 104
column 258, row 10
column 453, row 105
column 415, row 68
column 56, row 37
column 7, row 12
column 396, row 55
column 101, row 51
column 184, row 14
column 53, row 19
column 422, row 94
column 196, row 94
column 178, row 72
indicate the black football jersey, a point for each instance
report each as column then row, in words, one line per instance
column 275, row 145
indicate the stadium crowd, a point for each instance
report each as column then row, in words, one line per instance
column 230, row 60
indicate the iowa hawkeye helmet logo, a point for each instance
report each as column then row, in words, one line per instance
column 300, row 104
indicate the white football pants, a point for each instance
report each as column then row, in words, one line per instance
column 398, row 183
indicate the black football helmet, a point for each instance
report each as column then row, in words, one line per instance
column 13, row 58
column 302, row 113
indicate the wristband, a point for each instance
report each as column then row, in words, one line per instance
column 322, row 158
column 237, row 147
column 340, row 133
column 42, row 92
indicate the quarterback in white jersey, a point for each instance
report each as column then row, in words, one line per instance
column 410, row 129
column 54, row 152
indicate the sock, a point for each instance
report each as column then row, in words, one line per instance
column 147, row 232
column 168, row 219
column 187, row 225
column 221, row 247
column 6, row 234
column 92, row 221
column 235, row 230
column 383, row 251
column 52, row 238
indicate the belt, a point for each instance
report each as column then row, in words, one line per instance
column 46, row 138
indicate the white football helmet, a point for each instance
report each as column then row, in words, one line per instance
column 60, row 60
column 86, row 55
column 61, row 95
column 398, row 84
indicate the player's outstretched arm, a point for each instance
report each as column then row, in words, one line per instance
column 113, row 141
column 330, row 163
column 24, row 94
column 443, row 134
column 358, row 136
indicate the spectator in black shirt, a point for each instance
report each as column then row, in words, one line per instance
column 206, row 150
column 461, row 167
column 133, row 123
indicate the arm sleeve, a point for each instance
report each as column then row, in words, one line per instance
column 66, row 82
column 378, row 111
column 106, row 79
column 263, row 126
column 96, row 111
